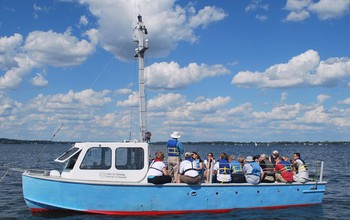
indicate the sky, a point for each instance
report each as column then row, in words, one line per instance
column 243, row 70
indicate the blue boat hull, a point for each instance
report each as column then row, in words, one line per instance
column 45, row 194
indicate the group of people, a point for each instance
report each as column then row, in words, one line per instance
column 227, row 169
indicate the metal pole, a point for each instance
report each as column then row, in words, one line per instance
column 321, row 172
column 140, row 32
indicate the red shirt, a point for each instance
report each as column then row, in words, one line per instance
column 287, row 175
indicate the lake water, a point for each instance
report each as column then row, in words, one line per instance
column 336, row 204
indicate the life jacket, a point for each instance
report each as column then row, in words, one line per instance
column 173, row 151
column 287, row 167
column 302, row 167
column 236, row 167
column 191, row 168
column 224, row 167
column 256, row 169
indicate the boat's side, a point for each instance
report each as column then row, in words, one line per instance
column 45, row 194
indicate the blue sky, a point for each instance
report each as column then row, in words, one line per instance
column 245, row 70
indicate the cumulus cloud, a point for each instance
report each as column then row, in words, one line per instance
column 345, row 101
column 41, row 49
column 280, row 112
column 71, row 100
column 167, row 23
column 83, row 20
column 56, row 49
column 39, row 80
column 8, row 49
column 324, row 9
column 322, row 97
column 172, row 76
column 305, row 69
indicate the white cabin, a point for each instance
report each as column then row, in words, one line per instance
column 98, row 161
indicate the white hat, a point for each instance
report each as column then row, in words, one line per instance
column 275, row 152
column 175, row 134
column 249, row 159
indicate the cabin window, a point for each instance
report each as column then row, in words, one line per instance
column 131, row 158
column 68, row 154
column 97, row 158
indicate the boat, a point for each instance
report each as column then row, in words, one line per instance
column 111, row 178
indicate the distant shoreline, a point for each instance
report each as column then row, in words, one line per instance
column 274, row 143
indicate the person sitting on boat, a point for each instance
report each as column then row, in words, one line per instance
column 252, row 171
column 237, row 174
column 175, row 149
column 283, row 169
column 273, row 157
column 222, row 169
column 268, row 168
column 208, row 162
column 199, row 163
column 157, row 172
column 301, row 169
column 188, row 171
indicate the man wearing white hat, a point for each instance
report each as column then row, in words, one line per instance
column 175, row 149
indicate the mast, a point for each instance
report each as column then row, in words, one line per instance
column 140, row 32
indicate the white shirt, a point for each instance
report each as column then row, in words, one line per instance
column 155, row 169
column 188, row 168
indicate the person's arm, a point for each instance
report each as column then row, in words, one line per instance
column 180, row 147
column 165, row 172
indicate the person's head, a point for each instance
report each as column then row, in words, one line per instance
column 188, row 155
column 275, row 154
column 249, row 159
column 210, row 155
column 231, row 158
column 296, row 156
column 175, row 135
column 240, row 159
column 160, row 155
column 223, row 156
column 195, row 155
column 262, row 157
column 279, row 159
column 256, row 158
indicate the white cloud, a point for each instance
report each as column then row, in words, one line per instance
column 71, row 100
column 322, row 97
column 172, row 76
column 284, row 96
column 329, row 9
column 39, row 80
column 325, row 9
column 317, row 115
column 302, row 70
column 41, row 49
column 8, row 49
column 297, row 15
column 164, row 102
column 133, row 100
column 280, row 112
column 261, row 17
column 345, row 101
column 256, row 5
column 167, row 23
column 55, row 49
column 83, row 20
column 206, row 16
